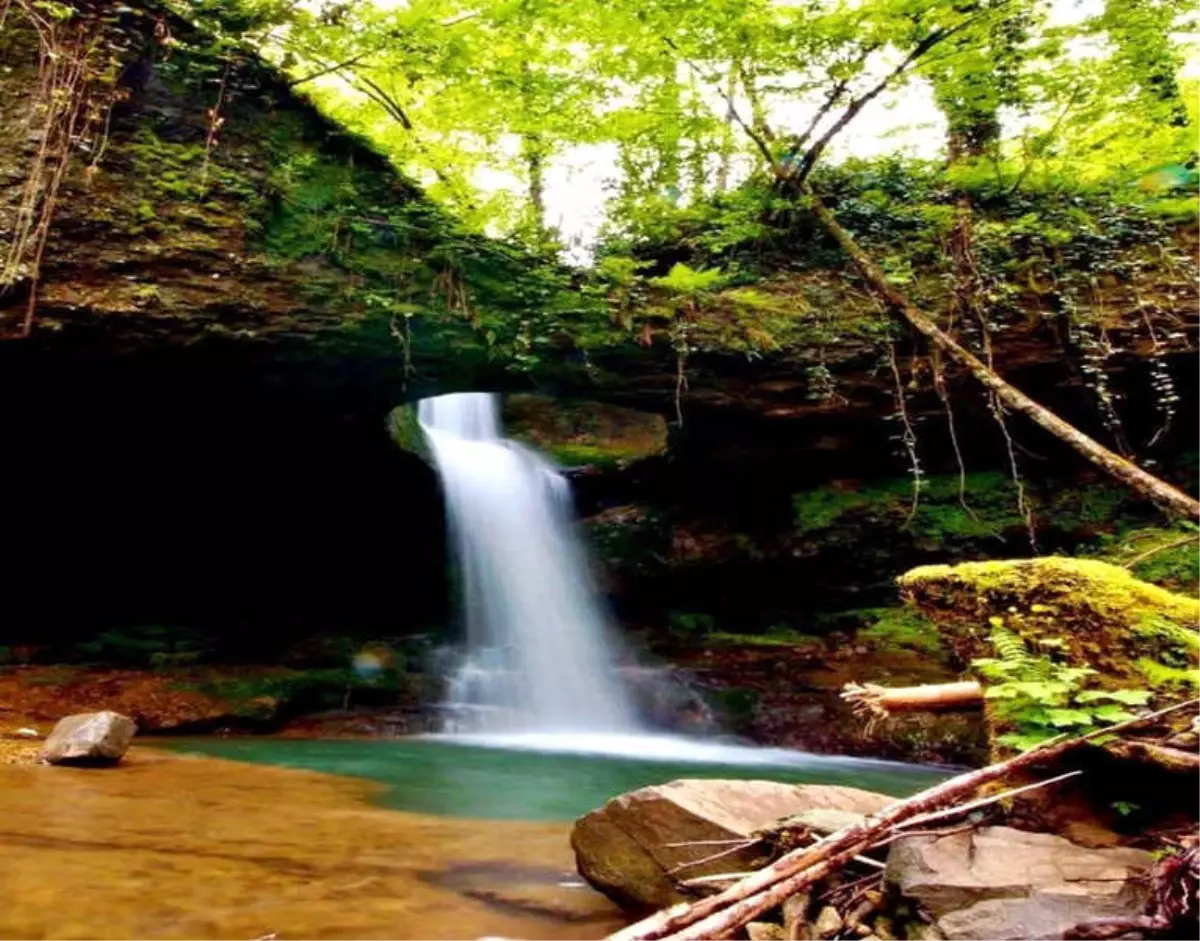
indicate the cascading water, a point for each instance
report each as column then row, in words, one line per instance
column 538, row 673
column 537, row 659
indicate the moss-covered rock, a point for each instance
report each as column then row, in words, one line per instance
column 1063, row 644
column 1101, row 612
column 578, row 432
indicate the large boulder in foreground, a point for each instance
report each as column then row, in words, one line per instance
column 999, row 883
column 628, row 848
column 90, row 738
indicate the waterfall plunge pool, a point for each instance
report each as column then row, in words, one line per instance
column 544, row 776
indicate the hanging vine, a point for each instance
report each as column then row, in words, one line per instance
column 78, row 69
column 966, row 307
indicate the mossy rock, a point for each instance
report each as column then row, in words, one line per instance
column 578, row 432
column 1105, row 616
column 1062, row 645
column 405, row 429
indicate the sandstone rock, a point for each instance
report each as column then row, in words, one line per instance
column 824, row 820
column 90, row 738
column 828, row 922
column 764, row 931
column 623, row 848
column 999, row 883
column 795, row 917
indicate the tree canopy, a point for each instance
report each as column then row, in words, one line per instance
column 482, row 100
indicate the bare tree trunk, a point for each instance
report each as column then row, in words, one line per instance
column 535, row 166
column 1116, row 466
column 726, row 152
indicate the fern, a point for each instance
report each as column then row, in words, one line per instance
column 1035, row 697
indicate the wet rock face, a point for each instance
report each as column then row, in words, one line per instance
column 999, row 883
column 90, row 738
column 580, row 433
column 627, row 850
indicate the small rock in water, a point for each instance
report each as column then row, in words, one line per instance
column 828, row 923
column 90, row 738
column 27, row 733
column 764, row 931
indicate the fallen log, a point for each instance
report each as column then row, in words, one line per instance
column 879, row 702
column 718, row 916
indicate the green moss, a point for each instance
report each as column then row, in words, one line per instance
column 1165, row 556
column 580, row 455
column 1160, row 675
column 902, row 627
column 1063, row 644
column 578, row 432
column 990, row 506
column 406, row 431
column 774, row 637
column 1107, row 589
column 1080, row 612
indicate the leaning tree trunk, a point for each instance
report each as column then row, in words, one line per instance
column 1116, row 466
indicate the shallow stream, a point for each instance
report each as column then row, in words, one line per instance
column 409, row 839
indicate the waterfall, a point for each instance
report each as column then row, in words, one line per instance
column 537, row 658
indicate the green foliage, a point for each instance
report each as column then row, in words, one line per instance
column 990, row 508
column 1166, row 556
column 902, row 627
column 691, row 283
column 1033, row 695
column 1180, row 679
column 690, row 623
column 151, row 645
column 295, row 692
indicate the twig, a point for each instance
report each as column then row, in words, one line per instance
column 703, row 843
column 871, row 877
column 715, row 856
column 984, row 801
column 1182, row 541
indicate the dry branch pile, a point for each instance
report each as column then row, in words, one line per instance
column 796, row 874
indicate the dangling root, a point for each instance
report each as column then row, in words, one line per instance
column 1173, row 911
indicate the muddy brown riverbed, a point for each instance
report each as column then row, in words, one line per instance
column 168, row 846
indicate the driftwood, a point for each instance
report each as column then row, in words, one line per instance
column 720, row 915
column 879, row 702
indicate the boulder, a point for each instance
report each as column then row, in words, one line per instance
column 90, row 738
column 999, row 883
column 628, row 848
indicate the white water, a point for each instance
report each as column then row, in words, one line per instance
column 537, row 660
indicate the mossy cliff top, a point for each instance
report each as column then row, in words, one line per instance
column 221, row 205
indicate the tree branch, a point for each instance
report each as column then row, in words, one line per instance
column 330, row 68
column 1138, row 480
column 852, row 111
